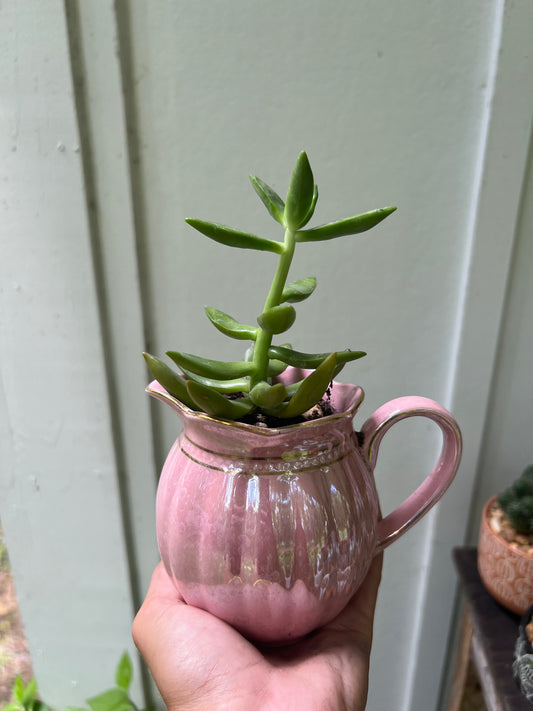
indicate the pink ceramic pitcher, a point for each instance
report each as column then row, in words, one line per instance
column 273, row 530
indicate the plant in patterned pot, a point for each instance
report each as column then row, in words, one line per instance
column 267, row 509
column 505, row 549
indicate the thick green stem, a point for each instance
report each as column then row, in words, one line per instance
column 264, row 339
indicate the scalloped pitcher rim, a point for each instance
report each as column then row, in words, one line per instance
column 349, row 397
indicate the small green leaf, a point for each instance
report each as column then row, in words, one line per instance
column 218, row 369
column 18, row 690
column 30, row 693
column 237, row 385
column 124, row 672
column 234, row 238
column 300, row 193
column 111, row 700
column 311, row 210
column 13, row 706
column 311, row 389
column 216, row 405
column 268, row 396
column 229, row 326
column 271, row 200
column 277, row 319
column 249, row 353
column 310, row 360
column 298, row 290
column 275, row 367
column 170, row 380
column 348, row 226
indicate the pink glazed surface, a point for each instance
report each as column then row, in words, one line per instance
column 274, row 530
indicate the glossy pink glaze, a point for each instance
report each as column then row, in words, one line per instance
column 273, row 530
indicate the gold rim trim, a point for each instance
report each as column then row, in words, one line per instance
column 227, row 470
column 300, row 455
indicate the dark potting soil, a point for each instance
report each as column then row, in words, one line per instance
column 321, row 409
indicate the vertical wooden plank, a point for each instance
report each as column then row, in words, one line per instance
column 495, row 213
column 95, row 52
column 59, row 494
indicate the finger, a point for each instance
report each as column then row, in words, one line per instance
column 161, row 600
column 162, row 587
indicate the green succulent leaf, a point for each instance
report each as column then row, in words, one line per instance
column 228, row 387
column 271, row 200
column 275, row 367
column 216, row 405
column 300, row 193
column 268, row 396
column 298, row 290
column 311, row 210
column 233, row 237
column 310, row 360
column 348, row 226
column 170, row 380
column 277, row 319
column 229, row 326
column 311, row 389
column 249, row 353
column 218, row 369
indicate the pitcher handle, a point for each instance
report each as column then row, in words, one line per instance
column 435, row 484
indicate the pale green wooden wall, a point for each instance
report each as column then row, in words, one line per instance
column 121, row 118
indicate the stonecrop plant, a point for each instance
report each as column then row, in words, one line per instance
column 232, row 390
column 517, row 502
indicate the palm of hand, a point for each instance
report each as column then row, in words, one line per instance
column 199, row 662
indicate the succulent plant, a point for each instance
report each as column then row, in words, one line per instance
column 232, row 390
column 517, row 502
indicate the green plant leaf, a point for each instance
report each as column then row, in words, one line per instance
column 229, row 326
column 170, row 380
column 124, row 672
column 311, row 210
column 310, row 360
column 300, row 193
column 30, row 692
column 277, row 319
column 348, row 226
column 18, row 689
column 237, row 385
column 111, row 700
column 234, row 238
column 218, row 369
column 249, row 353
column 311, row 389
column 268, row 396
column 13, row 706
column 275, row 367
column 298, row 290
column 271, row 200
column 216, row 405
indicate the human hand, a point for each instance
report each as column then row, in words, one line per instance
column 200, row 663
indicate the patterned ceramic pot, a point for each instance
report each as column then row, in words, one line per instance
column 273, row 530
column 506, row 571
